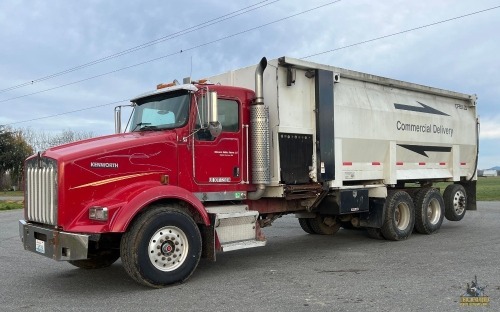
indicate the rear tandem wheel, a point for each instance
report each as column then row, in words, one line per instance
column 429, row 210
column 399, row 216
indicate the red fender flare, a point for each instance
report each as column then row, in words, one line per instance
column 126, row 214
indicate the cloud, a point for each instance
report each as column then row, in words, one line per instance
column 461, row 55
column 490, row 128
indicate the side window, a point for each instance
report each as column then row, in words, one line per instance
column 228, row 115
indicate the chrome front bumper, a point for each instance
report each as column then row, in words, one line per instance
column 52, row 243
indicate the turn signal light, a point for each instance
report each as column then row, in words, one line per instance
column 98, row 213
column 164, row 179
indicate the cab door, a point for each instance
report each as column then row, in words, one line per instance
column 219, row 160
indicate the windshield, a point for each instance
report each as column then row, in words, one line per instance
column 161, row 111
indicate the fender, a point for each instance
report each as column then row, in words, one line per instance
column 124, row 217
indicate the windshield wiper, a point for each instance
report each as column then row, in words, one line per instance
column 148, row 128
column 140, row 124
column 144, row 126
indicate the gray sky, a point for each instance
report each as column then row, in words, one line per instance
column 41, row 38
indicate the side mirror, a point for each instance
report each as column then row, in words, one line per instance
column 214, row 125
column 212, row 107
column 118, row 119
column 209, row 114
column 215, row 128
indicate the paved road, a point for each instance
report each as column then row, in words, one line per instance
column 11, row 198
column 294, row 272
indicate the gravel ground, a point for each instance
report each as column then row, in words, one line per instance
column 294, row 272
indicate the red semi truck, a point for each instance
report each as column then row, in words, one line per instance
column 205, row 165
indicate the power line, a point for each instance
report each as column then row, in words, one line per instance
column 401, row 32
column 148, row 61
column 191, row 29
column 66, row 113
column 172, row 54
column 319, row 53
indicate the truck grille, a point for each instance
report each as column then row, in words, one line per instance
column 41, row 190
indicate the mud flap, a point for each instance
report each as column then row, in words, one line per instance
column 470, row 190
column 208, row 236
column 373, row 218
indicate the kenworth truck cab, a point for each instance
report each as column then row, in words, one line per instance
column 205, row 165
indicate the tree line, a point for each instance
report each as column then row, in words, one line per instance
column 18, row 144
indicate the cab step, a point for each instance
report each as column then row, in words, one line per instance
column 242, row 245
column 236, row 227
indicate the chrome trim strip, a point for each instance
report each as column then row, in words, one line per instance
column 220, row 196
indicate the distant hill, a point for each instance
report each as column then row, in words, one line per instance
column 495, row 168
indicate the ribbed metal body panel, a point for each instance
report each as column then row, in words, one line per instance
column 41, row 190
column 259, row 138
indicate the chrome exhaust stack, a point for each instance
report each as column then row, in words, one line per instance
column 259, row 136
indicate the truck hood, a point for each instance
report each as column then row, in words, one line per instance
column 124, row 142
column 107, row 170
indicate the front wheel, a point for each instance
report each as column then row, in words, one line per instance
column 162, row 247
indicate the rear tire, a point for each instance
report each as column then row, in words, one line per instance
column 162, row 247
column 347, row 225
column 103, row 259
column 304, row 224
column 429, row 211
column 399, row 216
column 375, row 233
column 455, row 202
column 324, row 225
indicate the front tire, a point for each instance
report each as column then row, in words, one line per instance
column 162, row 247
column 455, row 202
column 399, row 217
column 429, row 211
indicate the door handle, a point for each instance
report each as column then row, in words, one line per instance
column 236, row 172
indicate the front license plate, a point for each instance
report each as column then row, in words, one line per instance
column 40, row 246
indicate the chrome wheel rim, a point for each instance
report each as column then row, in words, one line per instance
column 402, row 216
column 433, row 211
column 168, row 248
column 459, row 202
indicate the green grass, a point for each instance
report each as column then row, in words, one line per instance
column 12, row 193
column 488, row 189
column 10, row 205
